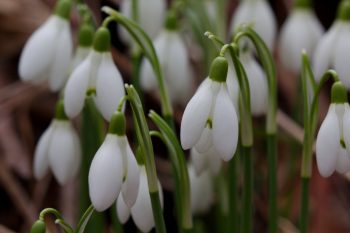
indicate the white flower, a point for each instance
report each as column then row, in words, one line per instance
column 257, row 84
column 113, row 169
column 260, row 15
column 58, row 149
column 151, row 15
column 212, row 108
column 302, row 30
column 47, row 53
column 333, row 141
column 174, row 62
column 333, row 50
column 141, row 211
column 202, row 191
column 97, row 73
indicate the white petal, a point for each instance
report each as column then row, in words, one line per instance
column 205, row 141
column 41, row 160
column 58, row 73
column 232, row 85
column 302, row 30
column 343, row 161
column 77, row 153
column 109, row 87
column 214, row 161
column 346, row 127
column 199, row 161
column 80, row 55
column 324, row 51
column 225, row 125
column 106, row 174
column 131, row 184
column 75, row 90
column 328, row 144
column 38, row 53
column 342, row 55
column 196, row 115
column 123, row 211
column 62, row 151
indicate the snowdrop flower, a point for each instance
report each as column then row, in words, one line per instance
column 85, row 38
column 48, row 51
column 58, row 149
column 96, row 74
column 333, row 139
column 114, row 168
column 302, row 30
column 174, row 61
column 202, row 191
column 212, row 108
column 333, row 50
column 257, row 84
column 150, row 14
column 141, row 211
column 260, row 15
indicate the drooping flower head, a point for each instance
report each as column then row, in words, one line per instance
column 114, row 168
column 211, row 108
column 333, row 50
column 96, row 75
column 58, row 149
column 302, row 30
column 48, row 52
column 259, row 14
column 333, row 139
column 174, row 61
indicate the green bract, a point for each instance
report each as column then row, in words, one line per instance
column 218, row 69
column 339, row 93
column 102, row 40
column 63, row 8
column 117, row 125
column 344, row 11
column 86, row 34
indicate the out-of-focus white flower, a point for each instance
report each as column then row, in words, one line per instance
column 212, row 108
column 259, row 14
column 202, row 191
column 333, row 50
column 141, row 211
column 333, row 139
column 114, row 169
column 257, row 84
column 58, row 149
column 174, row 62
column 150, row 13
column 302, row 30
column 48, row 52
column 96, row 74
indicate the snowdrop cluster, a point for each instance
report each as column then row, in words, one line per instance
column 174, row 61
column 333, row 50
column 96, row 75
column 209, row 122
column 257, row 13
column 58, row 149
column 48, row 52
column 333, row 139
column 302, row 30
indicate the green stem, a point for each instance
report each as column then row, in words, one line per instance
column 136, row 58
column 116, row 225
column 247, row 217
column 304, row 212
column 91, row 139
column 272, row 168
column 233, row 223
column 157, row 212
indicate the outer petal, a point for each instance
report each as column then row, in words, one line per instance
column 342, row 55
column 196, row 115
column 346, row 127
column 62, row 151
column 106, row 174
column 328, row 144
column 343, row 161
column 41, row 160
column 132, row 174
column 80, row 55
column 225, row 125
column 77, row 85
column 123, row 211
column 232, row 85
column 302, row 30
column 109, row 87
column 59, row 71
column 324, row 51
column 202, row 193
column 38, row 52
column 141, row 212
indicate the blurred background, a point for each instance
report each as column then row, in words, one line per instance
column 26, row 111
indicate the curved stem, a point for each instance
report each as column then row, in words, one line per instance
column 59, row 220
